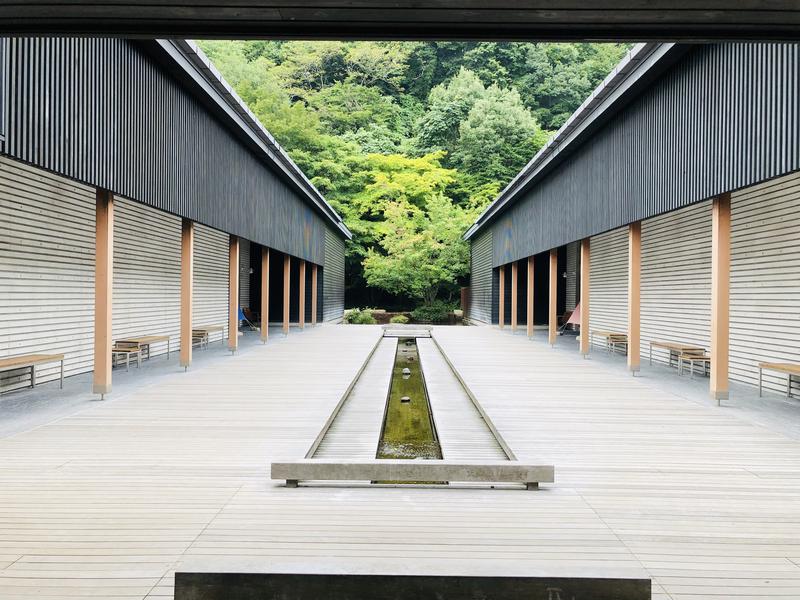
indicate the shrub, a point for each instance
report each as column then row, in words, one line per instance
column 360, row 316
column 437, row 311
column 399, row 319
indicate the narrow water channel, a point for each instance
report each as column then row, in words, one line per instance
column 408, row 427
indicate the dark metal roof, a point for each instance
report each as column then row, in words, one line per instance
column 696, row 20
column 221, row 97
column 640, row 66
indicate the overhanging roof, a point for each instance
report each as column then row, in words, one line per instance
column 638, row 69
column 194, row 68
column 635, row 20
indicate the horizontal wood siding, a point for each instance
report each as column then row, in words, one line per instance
column 765, row 279
column 676, row 278
column 46, row 270
column 608, row 284
column 480, row 292
column 210, row 277
column 333, row 281
column 147, row 273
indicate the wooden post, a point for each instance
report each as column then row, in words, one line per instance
column 103, row 284
column 720, row 296
column 514, row 276
column 585, row 331
column 529, row 312
column 552, row 308
column 187, row 274
column 302, row 299
column 233, row 294
column 287, row 264
column 264, row 294
column 313, row 295
column 634, row 295
column 501, row 303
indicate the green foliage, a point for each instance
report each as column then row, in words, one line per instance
column 399, row 320
column 360, row 316
column 408, row 141
column 433, row 312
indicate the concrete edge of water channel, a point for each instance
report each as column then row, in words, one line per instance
column 409, row 470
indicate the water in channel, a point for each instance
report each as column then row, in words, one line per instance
column 408, row 428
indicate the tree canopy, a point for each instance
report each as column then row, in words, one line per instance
column 410, row 140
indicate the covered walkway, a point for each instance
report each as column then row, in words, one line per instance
column 110, row 501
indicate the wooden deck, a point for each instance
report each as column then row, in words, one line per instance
column 109, row 502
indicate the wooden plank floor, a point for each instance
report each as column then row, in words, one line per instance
column 707, row 503
column 463, row 434
column 356, row 431
column 109, row 502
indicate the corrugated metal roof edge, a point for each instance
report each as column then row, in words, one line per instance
column 640, row 66
column 188, row 57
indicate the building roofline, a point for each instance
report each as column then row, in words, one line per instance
column 637, row 70
column 194, row 64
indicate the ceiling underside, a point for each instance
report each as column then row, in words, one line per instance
column 636, row 20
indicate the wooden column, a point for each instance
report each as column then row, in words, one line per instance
column 720, row 295
column 287, row 265
column 501, row 301
column 552, row 305
column 529, row 311
column 313, row 295
column 302, row 299
column 233, row 294
column 187, row 275
column 514, row 290
column 103, row 284
column 264, row 294
column 585, row 257
column 634, row 295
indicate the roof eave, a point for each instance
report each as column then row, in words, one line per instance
column 635, row 71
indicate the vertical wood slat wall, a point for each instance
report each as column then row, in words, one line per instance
column 210, row 277
column 572, row 276
column 332, row 297
column 608, row 275
column 244, row 273
column 480, row 294
column 765, row 279
column 146, row 295
column 46, row 271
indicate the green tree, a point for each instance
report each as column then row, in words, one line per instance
column 498, row 137
column 420, row 252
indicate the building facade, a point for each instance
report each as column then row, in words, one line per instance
column 673, row 194
column 144, row 142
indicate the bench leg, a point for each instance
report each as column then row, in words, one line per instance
column 532, row 485
column 291, row 483
column 139, row 356
column 62, row 374
column 759, row 382
column 788, row 385
column 127, row 361
column 33, row 376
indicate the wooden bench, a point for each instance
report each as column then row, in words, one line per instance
column 29, row 361
column 143, row 343
column 506, row 471
column 613, row 339
column 788, row 368
column 127, row 352
column 675, row 349
column 202, row 333
column 693, row 358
